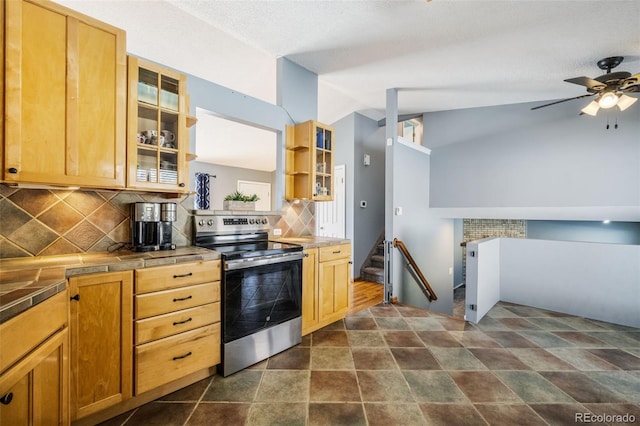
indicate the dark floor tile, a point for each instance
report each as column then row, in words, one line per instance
column 582, row 388
column 365, row 338
column 162, row 413
column 510, row 414
column 545, row 339
column 457, row 359
column 619, row 358
column 360, row 323
column 580, row 339
column 560, row 414
column 483, row 386
column 397, row 414
column 118, row 420
column 532, row 387
column 510, row 339
column 190, row 393
column 334, row 386
column 410, row 311
column 239, row 387
column 336, row 325
column 441, row 339
column 614, row 338
column 540, row 359
column 518, row 324
column 474, row 339
column 453, row 324
column 331, row 358
column 402, row 339
column 280, row 414
column 425, row 324
column 284, row 386
column 296, row 358
column 582, row 359
column 384, row 311
column 551, row 324
column 619, row 381
column 329, row 338
column 323, row 414
column 451, row 415
column 219, row 414
column 498, row 359
column 415, row 359
column 616, row 410
column 383, row 385
column 395, row 323
column 433, row 386
column 373, row 359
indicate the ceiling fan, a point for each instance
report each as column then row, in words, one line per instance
column 610, row 89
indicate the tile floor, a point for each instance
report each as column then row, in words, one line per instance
column 398, row 365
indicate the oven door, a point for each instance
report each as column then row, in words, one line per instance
column 259, row 293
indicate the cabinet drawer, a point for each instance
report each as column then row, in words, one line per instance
column 173, row 276
column 25, row 332
column 173, row 357
column 163, row 302
column 329, row 253
column 160, row 326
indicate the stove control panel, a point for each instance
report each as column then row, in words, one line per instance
column 213, row 223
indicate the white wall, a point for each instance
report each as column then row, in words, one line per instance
column 484, row 272
column 593, row 280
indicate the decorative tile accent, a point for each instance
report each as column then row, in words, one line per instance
column 477, row 229
column 84, row 235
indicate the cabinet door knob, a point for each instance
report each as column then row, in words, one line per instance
column 181, row 185
column 76, row 298
column 6, row 398
column 13, row 170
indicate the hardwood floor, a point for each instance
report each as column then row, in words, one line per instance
column 365, row 294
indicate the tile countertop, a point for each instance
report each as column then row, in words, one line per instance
column 312, row 241
column 25, row 282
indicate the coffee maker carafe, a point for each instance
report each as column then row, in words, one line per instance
column 167, row 217
column 145, row 226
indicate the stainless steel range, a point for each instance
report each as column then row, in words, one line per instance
column 261, row 288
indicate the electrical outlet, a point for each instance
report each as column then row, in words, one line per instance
column 450, row 270
column 277, row 231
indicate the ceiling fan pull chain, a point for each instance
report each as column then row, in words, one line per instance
column 616, row 125
column 607, row 123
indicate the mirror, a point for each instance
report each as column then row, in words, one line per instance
column 241, row 156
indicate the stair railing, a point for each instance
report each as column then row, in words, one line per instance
column 415, row 271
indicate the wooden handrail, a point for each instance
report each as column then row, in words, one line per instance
column 426, row 287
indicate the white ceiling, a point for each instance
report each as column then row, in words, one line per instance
column 442, row 54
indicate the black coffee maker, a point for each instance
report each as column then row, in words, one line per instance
column 168, row 215
column 145, row 226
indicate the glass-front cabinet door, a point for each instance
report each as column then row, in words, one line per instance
column 323, row 185
column 158, row 135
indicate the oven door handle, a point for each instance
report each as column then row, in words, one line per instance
column 231, row 265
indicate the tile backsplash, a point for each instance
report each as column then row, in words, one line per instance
column 39, row 222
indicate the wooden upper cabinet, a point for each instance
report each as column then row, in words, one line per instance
column 65, row 101
column 158, row 135
column 309, row 161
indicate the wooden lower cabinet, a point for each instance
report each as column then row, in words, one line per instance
column 101, row 341
column 177, row 322
column 328, row 299
column 35, row 390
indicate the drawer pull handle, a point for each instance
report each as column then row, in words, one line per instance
column 6, row 398
column 182, row 322
column 76, row 297
column 183, row 275
column 175, row 358
column 336, row 252
column 182, row 299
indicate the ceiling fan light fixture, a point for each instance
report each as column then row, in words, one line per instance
column 608, row 100
column 625, row 102
column 592, row 108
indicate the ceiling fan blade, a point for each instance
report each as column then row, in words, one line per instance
column 631, row 84
column 563, row 100
column 587, row 82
